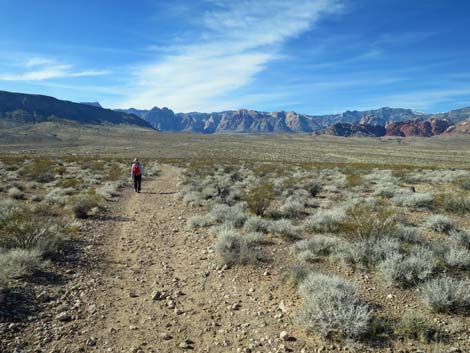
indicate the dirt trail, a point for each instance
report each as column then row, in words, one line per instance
column 162, row 289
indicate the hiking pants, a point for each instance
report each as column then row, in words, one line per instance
column 137, row 182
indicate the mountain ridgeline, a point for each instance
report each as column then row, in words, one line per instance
column 23, row 108
column 251, row 121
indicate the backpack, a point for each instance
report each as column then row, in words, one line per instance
column 135, row 169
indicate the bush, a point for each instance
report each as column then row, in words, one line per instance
column 17, row 263
column 26, row 228
column 354, row 180
column 365, row 223
column 312, row 186
column 417, row 327
column 284, row 228
column 415, row 200
column 256, row 224
column 84, row 206
column 292, row 208
column 16, row 193
column 409, row 234
column 325, row 220
column 367, row 253
column 457, row 257
column 332, row 307
column 446, row 294
column 200, row 221
column 462, row 236
column 259, row 198
column 316, row 247
column 454, row 203
column 295, row 275
column 440, row 223
column 408, row 270
column 231, row 215
column 233, row 249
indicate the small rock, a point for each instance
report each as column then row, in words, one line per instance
column 186, row 344
column 91, row 342
column 284, row 336
column 63, row 316
column 166, row 336
column 133, row 294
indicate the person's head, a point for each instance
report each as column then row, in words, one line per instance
column 136, row 160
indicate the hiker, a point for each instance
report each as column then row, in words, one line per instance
column 136, row 174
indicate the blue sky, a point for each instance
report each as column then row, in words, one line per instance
column 310, row 56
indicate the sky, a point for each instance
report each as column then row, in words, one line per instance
column 308, row 56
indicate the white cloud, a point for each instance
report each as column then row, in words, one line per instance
column 40, row 69
column 240, row 39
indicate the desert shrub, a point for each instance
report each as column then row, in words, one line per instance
column 461, row 236
column 415, row 200
column 292, row 208
column 193, row 198
column 325, row 220
column 37, row 198
column 446, row 294
column 465, row 183
column 454, row 203
column 284, row 228
column 109, row 190
column 40, row 170
column 113, row 173
column 386, row 191
column 17, row 263
column 409, row 234
column 233, row 249
column 440, row 223
column 84, row 206
column 256, row 224
column 457, row 256
column 366, row 253
column 16, row 193
column 408, row 270
column 312, row 186
column 70, row 183
column 199, row 221
column 415, row 326
column 23, row 227
column 365, row 223
column 353, row 180
column 259, row 198
column 295, row 275
column 332, row 307
column 232, row 215
column 255, row 238
column 314, row 248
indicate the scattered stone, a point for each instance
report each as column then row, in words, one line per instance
column 63, row 316
column 166, row 336
column 284, row 336
column 186, row 344
column 159, row 295
column 133, row 294
column 91, row 342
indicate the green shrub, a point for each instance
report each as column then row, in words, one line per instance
column 259, row 198
column 454, row 203
column 417, row 327
column 332, row 307
column 26, row 228
column 446, row 294
column 284, row 228
column 84, row 206
column 230, row 215
column 363, row 222
column 316, row 247
column 415, row 200
column 440, row 223
column 17, row 263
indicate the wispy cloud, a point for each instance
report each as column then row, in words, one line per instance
column 240, row 39
column 40, row 69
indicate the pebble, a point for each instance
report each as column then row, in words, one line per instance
column 63, row 316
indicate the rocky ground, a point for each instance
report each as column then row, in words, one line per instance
column 138, row 280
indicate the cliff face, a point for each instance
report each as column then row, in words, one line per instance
column 351, row 130
column 418, row 127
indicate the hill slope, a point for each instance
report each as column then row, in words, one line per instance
column 29, row 108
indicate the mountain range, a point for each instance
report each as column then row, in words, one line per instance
column 252, row 121
column 19, row 108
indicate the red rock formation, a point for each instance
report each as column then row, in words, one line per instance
column 418, row 127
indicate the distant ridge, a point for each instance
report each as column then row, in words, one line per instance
column 31, row 108
column 252, row 121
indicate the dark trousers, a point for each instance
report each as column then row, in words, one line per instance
column 137, row 182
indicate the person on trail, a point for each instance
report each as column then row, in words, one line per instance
column 136, row 174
